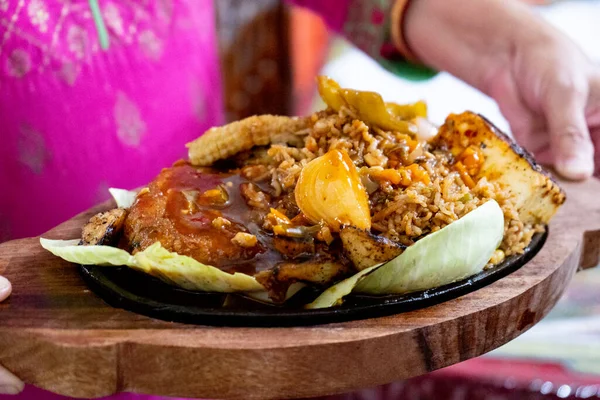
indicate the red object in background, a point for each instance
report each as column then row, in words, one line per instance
column 488, row 379
column 521, row 372
column 545, row 378
column 309, row 44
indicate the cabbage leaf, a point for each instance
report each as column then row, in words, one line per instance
column 123, row 198
column 172, row 268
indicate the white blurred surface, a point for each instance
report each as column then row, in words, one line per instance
column 444, row 93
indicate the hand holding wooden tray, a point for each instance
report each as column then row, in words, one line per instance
column 56, row 334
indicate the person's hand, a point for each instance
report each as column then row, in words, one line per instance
column 547, row 89
column 550, row 93
column 9, row 384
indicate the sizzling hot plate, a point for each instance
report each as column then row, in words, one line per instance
column 140, row 293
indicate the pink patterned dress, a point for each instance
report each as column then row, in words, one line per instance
column 76, row 118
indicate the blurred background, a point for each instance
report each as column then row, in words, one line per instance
column 558, row 358
column 269, row 55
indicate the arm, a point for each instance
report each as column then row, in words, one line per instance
column 545, row 86
column 366, row 23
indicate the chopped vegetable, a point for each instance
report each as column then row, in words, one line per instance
column 425, row 129
column 370, row 106
column 245, row 239
column 388, row 174
column 408, row 111
column 123, row 198
column 472, row 158
column 464, row 175
column 264, row 296
column 275, row 217
column 214, row 197
column 296, row 231
column 336, row 293
column 330, row 191
column 69, row 250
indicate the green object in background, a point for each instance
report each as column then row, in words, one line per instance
column 407, row 70
column 100, row 27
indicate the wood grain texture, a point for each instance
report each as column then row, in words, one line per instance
column 57, row 335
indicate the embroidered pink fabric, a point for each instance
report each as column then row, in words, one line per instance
column 75, row 120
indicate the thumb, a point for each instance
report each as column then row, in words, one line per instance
column 5, row 288
column 10, row 384
column 569, row 134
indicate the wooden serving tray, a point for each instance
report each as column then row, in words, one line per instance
column 57, row 335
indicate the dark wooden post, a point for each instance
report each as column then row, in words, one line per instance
column 255, row 57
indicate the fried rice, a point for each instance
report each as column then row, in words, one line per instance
column 403, row 212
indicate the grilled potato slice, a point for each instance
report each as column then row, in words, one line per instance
column 365, row 249
column 104, row 228
column 538, row 196
column 320, row 271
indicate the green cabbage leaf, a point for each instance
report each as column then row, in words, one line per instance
column 172, row 268
column 123, row 198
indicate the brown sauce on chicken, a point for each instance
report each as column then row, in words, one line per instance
column 198, row 212
column 201, row 212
